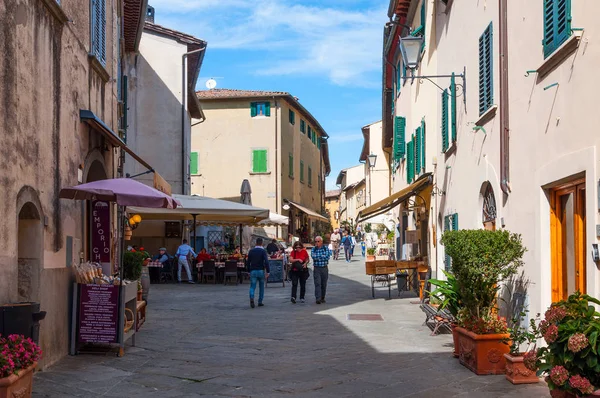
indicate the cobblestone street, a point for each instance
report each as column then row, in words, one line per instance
column 205, row 340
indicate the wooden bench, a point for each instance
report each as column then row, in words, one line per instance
column 140, row 314
column 437, row 319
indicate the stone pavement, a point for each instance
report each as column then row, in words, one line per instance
column 205, row 340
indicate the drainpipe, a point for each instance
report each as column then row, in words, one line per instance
column 276, row 108
column 504, row 114
column 183, row 112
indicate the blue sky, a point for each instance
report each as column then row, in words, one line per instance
column 327, row 53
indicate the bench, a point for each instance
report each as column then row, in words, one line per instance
column 140, row 314
column 436, row 319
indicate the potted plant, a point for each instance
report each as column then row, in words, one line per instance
column 516, row 371
column 571, row 361
column 132, row 265
column 481, row 260
column 447, row 293
column 18, row 359
column 371, row 254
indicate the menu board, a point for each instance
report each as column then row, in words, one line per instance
column 98, row 313
column 276, row 271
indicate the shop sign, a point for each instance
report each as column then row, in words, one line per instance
column 100, row 232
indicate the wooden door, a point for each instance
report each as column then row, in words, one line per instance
column 568, row 240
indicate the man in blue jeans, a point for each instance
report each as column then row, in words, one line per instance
column 320, row 255
column 258, row 263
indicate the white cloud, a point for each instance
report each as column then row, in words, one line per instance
column 342, row 137
column 343, row 45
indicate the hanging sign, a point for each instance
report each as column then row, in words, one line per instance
column 100, row 232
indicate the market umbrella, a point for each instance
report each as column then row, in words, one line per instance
column 123, row 191
column 246, row 199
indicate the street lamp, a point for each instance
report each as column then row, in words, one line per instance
column 372, row 160
column 410, row 48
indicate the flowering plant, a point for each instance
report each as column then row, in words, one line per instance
column 487, row 324
column 571, row 361
column 16, row 353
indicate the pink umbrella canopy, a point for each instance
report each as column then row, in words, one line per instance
column 124, row 191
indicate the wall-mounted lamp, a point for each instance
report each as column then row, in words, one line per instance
column 372, row 160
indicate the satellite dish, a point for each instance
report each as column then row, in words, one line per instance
column 211, row 83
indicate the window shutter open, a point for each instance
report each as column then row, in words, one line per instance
column 267, row 109
column 447, row 228
column 98, row 21
column 194, row 163
column 455, row 222
column 444, row 123
column 453, row 102
column 292, row 117
column 399, row 140
column 486, row 82
column 423, row 149
column 410, row 156
column 418, row 151
column 557, row 24
column 253, row 111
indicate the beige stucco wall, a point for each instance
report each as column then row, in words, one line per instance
column 46, row 79
column 378, row 178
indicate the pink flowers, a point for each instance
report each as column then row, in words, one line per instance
column 578, row 342
column 555, row 314
column 559, row 375
column 17, row 353
column 530, row 360
column 581, row 383
column 551, row 334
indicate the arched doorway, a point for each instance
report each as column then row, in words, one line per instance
column 30, row 244
column 488, row 213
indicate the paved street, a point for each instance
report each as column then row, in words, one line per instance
column 205, row 340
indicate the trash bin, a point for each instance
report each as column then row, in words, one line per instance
column 402, row 281
column 21, row 318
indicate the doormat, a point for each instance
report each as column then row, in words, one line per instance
column 365, row 317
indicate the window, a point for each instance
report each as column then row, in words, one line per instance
column 444, row 123
column 420, row 30
column 557, row 24
column 410, row 164
column 259, row 161
column 98, row 25
column 423, row 152
column 302, row 126
column 319, row 142
column 399, row 141
column 309, row 176
column 418, row 152
column 291, row 166
column 301, row 171
column 292, row 117
column 260, row 109
column 194, row 163
column 450, row 224
column 486, row 67
column 310, row 133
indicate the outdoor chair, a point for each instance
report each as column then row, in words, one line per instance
column 231, row 271
column 166, row 272
column 208, row 269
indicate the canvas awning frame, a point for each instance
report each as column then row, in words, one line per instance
column 421, row 189
column 310, row 213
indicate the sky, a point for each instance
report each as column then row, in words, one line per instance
column 325, row 52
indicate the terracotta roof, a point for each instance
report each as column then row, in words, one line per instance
column 333, row 193
column 227, row 93
column 134, row 14
column 179, row 36
column 399, row 8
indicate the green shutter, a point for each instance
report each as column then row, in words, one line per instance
column 310, row 133
column 259, row 161
column 292, row 117
column 194, row 163
column 557, row 24
column 98, row 22
column 447, row 224
column 444, row 123
column 399, row 140
column 453, row 102
column 301, row 171
column 455, row 222
column 267, row 109
column 410, row 156
column 423, row 149
column 253, row 111
column 486, row 81
column 302, row 126
column 309, row 176
column 291, row 166
column 418, row 151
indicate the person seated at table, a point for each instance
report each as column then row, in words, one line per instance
column 237, row 254
column 273, row 247
column 203, row 255
column 163, row 257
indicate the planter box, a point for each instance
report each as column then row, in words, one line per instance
column 18, row 385
column 517, row 373
column 456, row 352
column 483, row 354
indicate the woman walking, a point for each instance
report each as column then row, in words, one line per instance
column 298, row 270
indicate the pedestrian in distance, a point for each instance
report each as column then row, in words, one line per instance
column 258, row 266
column 182, row 254
column 299, row 270
column 347, row 243
column 320, row 255
column 335, row 243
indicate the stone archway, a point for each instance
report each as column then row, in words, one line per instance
column 30, row 249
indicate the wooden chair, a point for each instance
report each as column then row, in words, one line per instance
column 209, row 269
column 231, row 271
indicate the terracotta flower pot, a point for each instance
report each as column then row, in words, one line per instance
column 370, row 258
column 483, row 354
column 456, row 352
column 18, row 385
column 517, row 373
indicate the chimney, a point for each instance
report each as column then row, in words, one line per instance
column 150, row 14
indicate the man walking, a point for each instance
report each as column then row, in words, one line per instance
column 335, row 243
column 182, row 260
column 258, row 263
column 320, row 255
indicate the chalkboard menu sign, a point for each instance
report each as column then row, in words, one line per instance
column 276, row 274
column 98, row 313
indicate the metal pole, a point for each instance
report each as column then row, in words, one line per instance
column 194, row 232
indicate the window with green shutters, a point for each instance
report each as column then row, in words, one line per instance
column 302, row 126
column 194, row 163
column 98, row 22
column 292, row 117
column 557, row 24
column 423, row 152
column 444, row 123
column 259, row 161
column 418, row 151
column 301, row 171
column 453, row 111
column 486, row 69
column 291, row 166
column 450, row 224
column 410, row 163
column 319, row 142
column 309, row 176
column 260, row 109
column 310, row 133
column 399, row 140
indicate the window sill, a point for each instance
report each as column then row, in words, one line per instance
column 56, row 10
column 487, row 116
column 559, row 55
column 252, row 173
column 99, row 68
column 451, row 149
column 260, row 117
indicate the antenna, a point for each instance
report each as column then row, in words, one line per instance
column 211, row 83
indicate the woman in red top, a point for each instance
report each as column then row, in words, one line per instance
column 203, row 255
column 298, row 270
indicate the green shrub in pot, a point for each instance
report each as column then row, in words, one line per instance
column 132, row 265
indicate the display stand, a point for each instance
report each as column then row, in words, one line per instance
column 277, row 273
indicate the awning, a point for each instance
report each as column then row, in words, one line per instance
column 97, row 124
column 308, row 212
column 420, row 188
